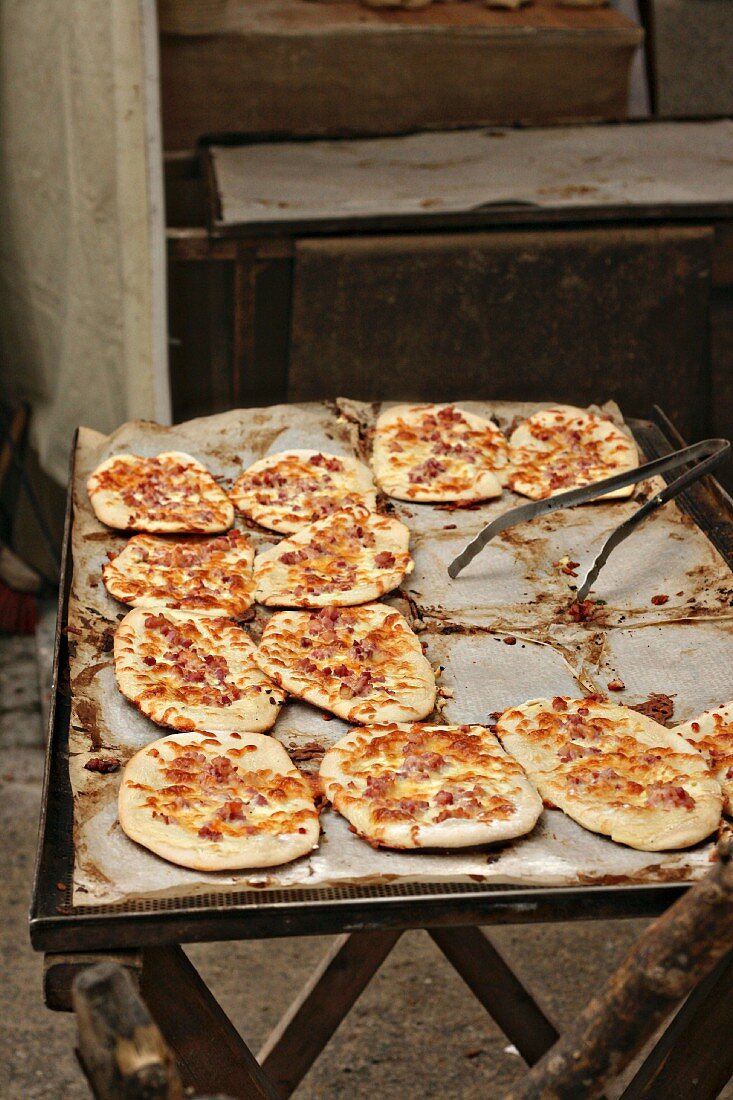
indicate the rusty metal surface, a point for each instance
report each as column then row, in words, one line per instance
column 520, row 314
column 683, row 648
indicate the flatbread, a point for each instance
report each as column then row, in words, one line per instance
column 423, row 786
column 438, row 453
column 192, row 574
column 711, row 733
column 351, row 557
column 614, row 771
column 562, row 448
column 193, row 672
column 286, row 491
column 172, row 493
column 362, row 663
column 218, row 803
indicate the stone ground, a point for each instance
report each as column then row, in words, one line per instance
column 416, row 1032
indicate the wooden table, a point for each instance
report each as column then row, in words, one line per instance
column 146, row 935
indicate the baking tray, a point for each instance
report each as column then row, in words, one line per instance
column 58, row 924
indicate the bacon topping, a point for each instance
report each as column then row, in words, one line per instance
column 669, row 796
column 102, row 764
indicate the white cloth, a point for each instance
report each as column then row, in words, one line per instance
column 82, row 250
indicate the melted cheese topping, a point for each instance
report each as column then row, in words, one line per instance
column 426, row 775
column 350, row 660
column 429, row 452
column 195, row 574
column 563, row 448
column 172, row 492
column 189, row 671
column 212, row 794
column 712, row 735
column 285, row 492
column 350, row 557
column 602, row 754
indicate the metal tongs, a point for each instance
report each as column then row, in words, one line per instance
column 707, row 456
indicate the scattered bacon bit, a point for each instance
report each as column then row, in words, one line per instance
column 580, row 612
column 695, row 726
column 102, row 765
column 149, row 661
column 385, row 560
column 509, row 640
column 558, row 703
column 450, row 526
column 570, row 568
column 616, row 685
column 659, row 600
column 667, row 794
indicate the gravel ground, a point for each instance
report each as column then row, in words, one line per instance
column 416, row 1032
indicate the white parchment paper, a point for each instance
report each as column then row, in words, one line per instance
column 514, row 590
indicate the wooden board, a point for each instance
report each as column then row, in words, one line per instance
column 293, row 68
column 573, row 172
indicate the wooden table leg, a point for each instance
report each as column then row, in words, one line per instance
column 498, row 989
column 694, row 1056
column 210, row 1052
column 310, row 1021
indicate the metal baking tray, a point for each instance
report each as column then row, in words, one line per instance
column 58, row 924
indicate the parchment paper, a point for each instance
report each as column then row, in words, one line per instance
column 513, row 590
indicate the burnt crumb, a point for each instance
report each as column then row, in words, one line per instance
column 509, row 640
column 102, row 764
column 616, row 685
column 581, row 612
column 308, row 751
column 658, row 706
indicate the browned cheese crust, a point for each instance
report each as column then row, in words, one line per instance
column 419, row 786
column 362, row 663
column 438, row 453
column 170, row 494
column 215, row 803
column 351, row 557
column 562, row 448
column 193, row 574
column 614, row 771
column 711, row 733
column 286, row 491
column 193, row 672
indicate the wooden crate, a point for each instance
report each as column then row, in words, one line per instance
column 288, row 67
